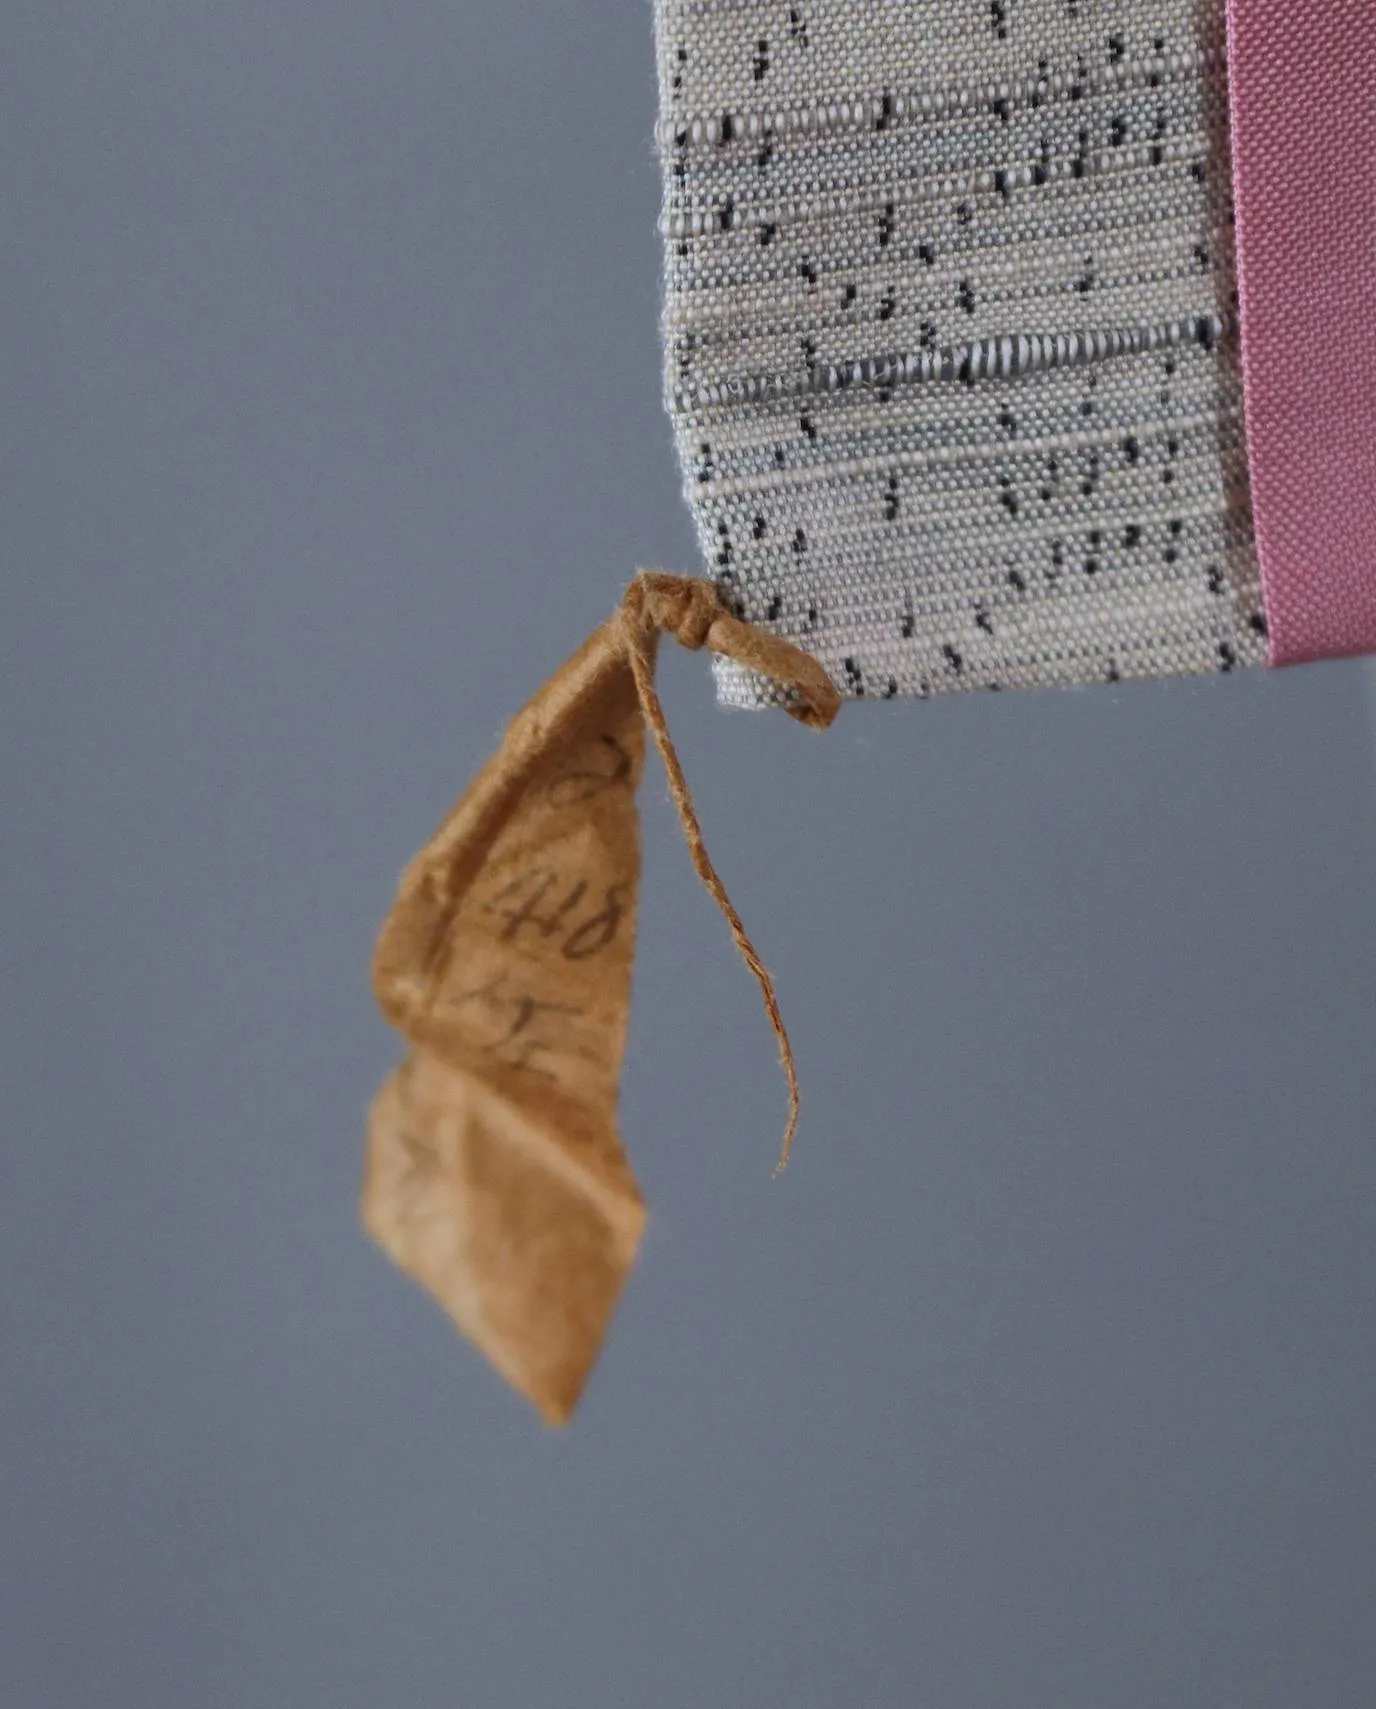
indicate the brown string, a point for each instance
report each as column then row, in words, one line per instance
column 692, row 612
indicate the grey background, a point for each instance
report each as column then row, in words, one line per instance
column 331, row 422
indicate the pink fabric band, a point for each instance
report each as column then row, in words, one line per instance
column 1303, row 92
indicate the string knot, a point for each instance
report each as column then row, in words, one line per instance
column 681, row 606
column 692, row 611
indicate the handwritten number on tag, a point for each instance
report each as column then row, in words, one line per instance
column 595, row 934
column 529, row 902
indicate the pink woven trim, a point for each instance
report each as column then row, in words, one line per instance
column 1303, row 82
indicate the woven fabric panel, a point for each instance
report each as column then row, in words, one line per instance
column 949, row 332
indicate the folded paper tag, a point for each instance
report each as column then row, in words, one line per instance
column 495, row 1174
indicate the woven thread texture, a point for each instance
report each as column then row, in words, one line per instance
column 860, row 193
column 1304, row 142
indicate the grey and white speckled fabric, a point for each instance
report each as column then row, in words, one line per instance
column 948, row 325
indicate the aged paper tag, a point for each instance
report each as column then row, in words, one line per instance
column 495, row 1174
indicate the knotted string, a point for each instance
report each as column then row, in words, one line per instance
column 692, row 612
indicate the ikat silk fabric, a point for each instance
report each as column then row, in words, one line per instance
column 951, row 335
